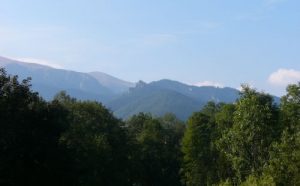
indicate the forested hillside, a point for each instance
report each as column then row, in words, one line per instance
column 167, row 96
column 66, row 141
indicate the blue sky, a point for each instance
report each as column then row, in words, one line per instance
column 216, row 42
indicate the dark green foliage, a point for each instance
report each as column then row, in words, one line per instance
column 284, row 165
column 202, row 163
column 290, row 109
column 224, row 122
column 96, row 142
column 252, row 142
column 29, row 132
column 224, row 118
column 196, row 149
column 247, row 143
column 71, row 142
column 155, row 144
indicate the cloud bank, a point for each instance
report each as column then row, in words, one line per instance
column 283, row 77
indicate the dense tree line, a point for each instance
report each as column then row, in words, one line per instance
column 71, row 142
column 251, row 142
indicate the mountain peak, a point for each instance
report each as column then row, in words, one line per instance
column 115, row 84
column 123, row 97
column 140, row 84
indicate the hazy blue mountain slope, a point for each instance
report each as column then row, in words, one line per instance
column 165, row 96
column 123, row 98
column 48, row 81
column 203, row 94
column 114, row 84
column 155, row 101
column 155, row 98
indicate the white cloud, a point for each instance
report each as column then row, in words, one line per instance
column 39, row 61
column 208, row 83
column 283, row 77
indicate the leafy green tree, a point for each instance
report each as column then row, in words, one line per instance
column 155, row 149
column 30, row 129
column 204, row 163
column 290, row 109
column 258, row 181
column 97, row 142
column 284, row 165
column 72, row 142
column 224, row 117
column 224, row 122
column 247, row 143
column 198, row 158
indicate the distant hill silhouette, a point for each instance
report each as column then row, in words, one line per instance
column 48, row 81
column 114, row 84
column 122, row 97
column 165, row 96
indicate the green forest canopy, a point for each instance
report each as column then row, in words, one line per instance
column 70, row 142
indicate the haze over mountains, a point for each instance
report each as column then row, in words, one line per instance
column 122, row 97
column 169, row 96
column 48, row 81
column 116, row 85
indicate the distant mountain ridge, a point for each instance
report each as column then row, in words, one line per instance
column 114, row 84
column 160, row 97
column 202, row 94
column 48, row 81
column 122, row 97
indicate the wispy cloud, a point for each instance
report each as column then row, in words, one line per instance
column 283, row 77
column 39, row 61
column 208, row 83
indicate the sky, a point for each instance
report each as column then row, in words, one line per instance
column 211, row 42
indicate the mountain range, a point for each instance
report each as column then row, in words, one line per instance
column 122, row 97
column 48, row 81
column 169, row 96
